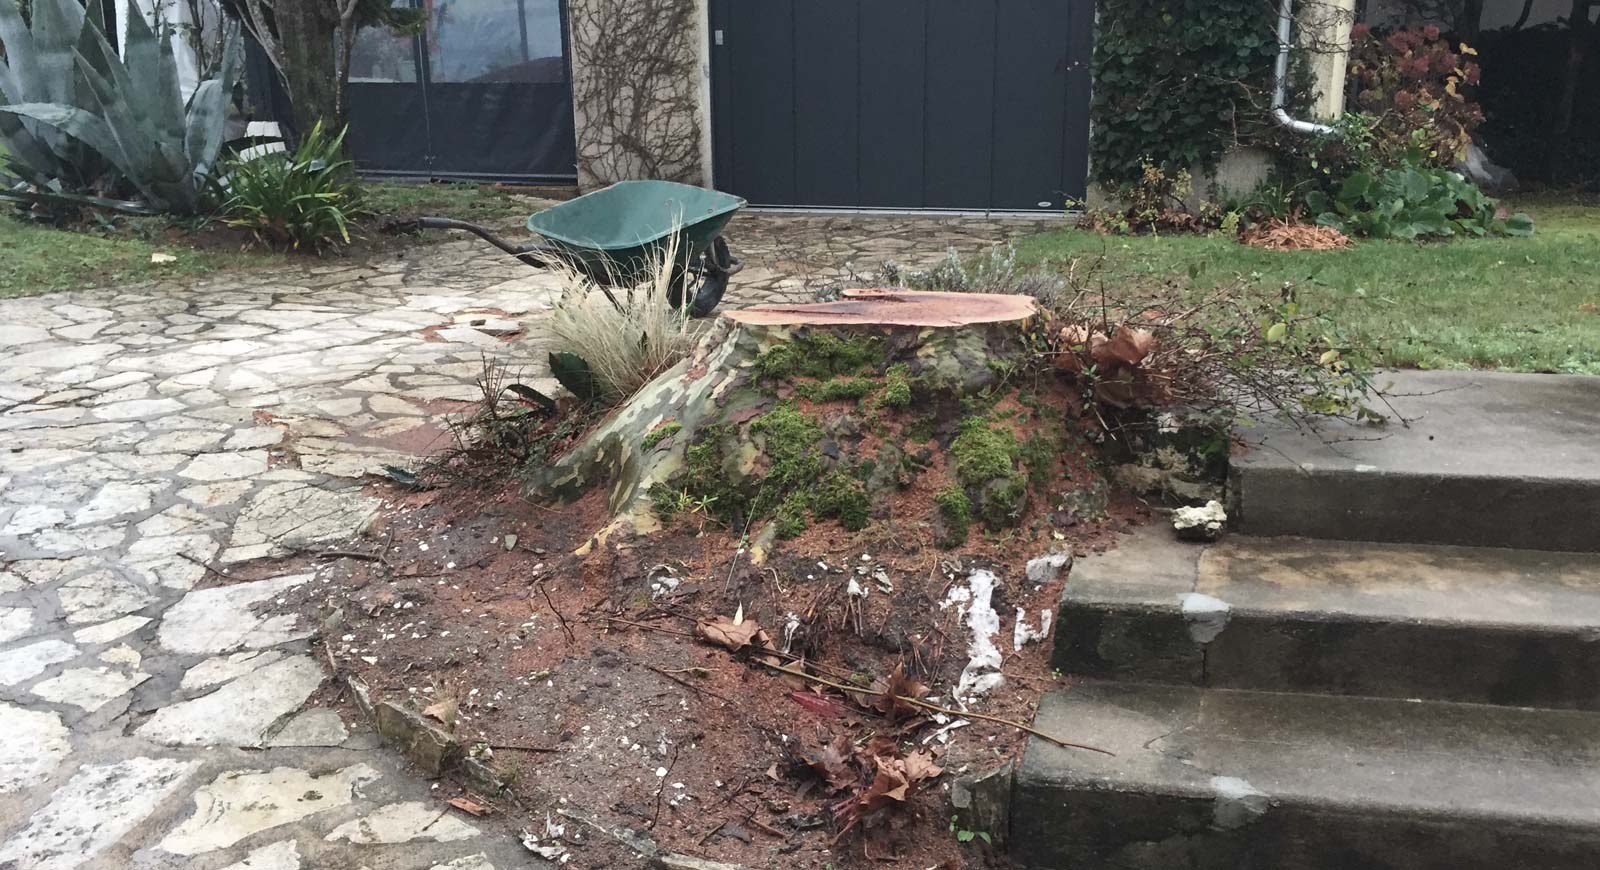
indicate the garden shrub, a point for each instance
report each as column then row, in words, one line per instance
column 1412, row 89
column 305, row 199
column 1415, row 200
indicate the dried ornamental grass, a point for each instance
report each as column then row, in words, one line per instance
column 628, row 343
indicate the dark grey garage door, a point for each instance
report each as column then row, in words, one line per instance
column 957, row 104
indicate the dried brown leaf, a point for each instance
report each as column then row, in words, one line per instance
column 832, row 762
column 723, row 631
column 1126, row 348
column 891, row 692
column 443, row 710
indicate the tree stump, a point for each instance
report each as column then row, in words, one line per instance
column 785, row 416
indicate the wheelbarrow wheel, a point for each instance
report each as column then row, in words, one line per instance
column 716, row 265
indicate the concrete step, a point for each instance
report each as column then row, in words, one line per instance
column 1478, row 625
column 1210, row 779
column 1489, row 460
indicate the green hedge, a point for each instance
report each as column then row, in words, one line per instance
column 1177, row 81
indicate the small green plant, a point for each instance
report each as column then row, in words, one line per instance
column 835, row 389
column 307, row 199
column 956, row 511
column 897, row 387
column 671, row 502
column 965, row 836
column 1414, row 201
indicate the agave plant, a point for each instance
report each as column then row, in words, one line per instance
column 80, row 119
column 37, row 68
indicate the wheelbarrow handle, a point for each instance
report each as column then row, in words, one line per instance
column 534, row 255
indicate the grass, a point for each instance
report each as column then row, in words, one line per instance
column 41, row 259
column 475, row 203
column 1523, row 304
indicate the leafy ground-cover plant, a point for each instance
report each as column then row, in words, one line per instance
column 69, row 94
column 1416, row 200
column 305, row 199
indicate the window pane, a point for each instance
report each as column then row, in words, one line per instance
column 380, row 56
column 495, row 41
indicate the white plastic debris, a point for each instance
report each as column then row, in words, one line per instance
column 663, row 581
column 856, row 590
column 159, row 258
column 881, row 577
column 1021, row 633
column 791, row 624
column 982, row 672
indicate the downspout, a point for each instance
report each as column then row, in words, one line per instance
column 1280, row 78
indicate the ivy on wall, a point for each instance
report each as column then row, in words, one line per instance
column 1177, row 82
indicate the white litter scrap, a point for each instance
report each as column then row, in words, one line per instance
column 1021, row 633
column 548, row 845
column 791, row 624
column 663, row 581
column 856, row 590
column 881, row 577
column 982, row 672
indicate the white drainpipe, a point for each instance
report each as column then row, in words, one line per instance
column 1280, row 77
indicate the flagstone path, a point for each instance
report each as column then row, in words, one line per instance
column 154, row 439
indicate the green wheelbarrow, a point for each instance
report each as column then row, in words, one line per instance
column 617, row 234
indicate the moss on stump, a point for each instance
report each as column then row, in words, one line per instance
column 787, row 417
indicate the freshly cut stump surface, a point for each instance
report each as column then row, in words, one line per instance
column 890, row 307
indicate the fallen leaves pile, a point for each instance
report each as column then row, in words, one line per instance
column 877, row 774
column 1118, row 363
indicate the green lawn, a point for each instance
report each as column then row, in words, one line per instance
column 39, row 259
column 35, row 258
column 1525, row 304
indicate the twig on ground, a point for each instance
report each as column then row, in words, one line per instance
column 517, row 747
column 688, row 685
column 916, row 702
column 672, row 761
column 356, row 554
column 206, row 565
column 567, row 629
column 711, row 833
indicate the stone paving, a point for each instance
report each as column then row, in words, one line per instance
column 155, row 439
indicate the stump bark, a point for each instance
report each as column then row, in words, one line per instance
column 785, row 416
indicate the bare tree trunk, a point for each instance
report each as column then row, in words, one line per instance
column 1578, row 37
column 308, row 34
